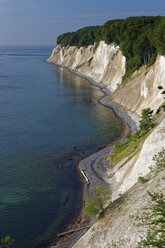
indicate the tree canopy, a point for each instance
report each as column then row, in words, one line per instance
column 139, row 38
column 146, row 122
column 95, row 204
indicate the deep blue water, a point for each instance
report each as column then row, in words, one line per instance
column 47, row 115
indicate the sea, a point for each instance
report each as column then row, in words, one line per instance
column 50, row 119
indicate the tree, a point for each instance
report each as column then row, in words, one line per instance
column 146, row 122
column 6, row 242
column 155, row 221
column 96, row 204
column 159, row 161
column 154, row 218
column 140, row 39
column 163, row 106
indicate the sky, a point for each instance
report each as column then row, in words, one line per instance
column 40, row 22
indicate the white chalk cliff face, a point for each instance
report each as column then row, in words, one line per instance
column 105, row 64
column 142, row 91
column 119, row 227
column 122, row 178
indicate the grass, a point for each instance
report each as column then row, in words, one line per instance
column 81, row 65
column 85, row 63
column 128, row 148
column 134, row 142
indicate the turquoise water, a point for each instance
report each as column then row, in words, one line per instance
column 47, row 115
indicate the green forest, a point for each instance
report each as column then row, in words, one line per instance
column 139, row 38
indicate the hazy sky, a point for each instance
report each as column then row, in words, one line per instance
column 39, row 22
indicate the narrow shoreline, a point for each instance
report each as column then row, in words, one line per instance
column 89, row 169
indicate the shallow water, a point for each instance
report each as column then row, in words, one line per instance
column 48, row 117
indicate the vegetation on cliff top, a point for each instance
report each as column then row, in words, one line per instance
column 139, row 38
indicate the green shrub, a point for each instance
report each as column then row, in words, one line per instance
column 159, row 161
column 146, row 122
column 95, row 204
column 81, row 65
column 163, row 106
column 6, row 242
column 127, row 148
column 154, row 221
column 142, row 180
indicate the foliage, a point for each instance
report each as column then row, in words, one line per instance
column 146, row 122
column 142, row 180
column 155, row 222
column 95, row 204
column 159, row 161
column 127, row 148
column 163, row 106
column 6, row 242
column 79, row 66
column 83, row 37
column 154, row 218
column 152, row 60
column 140, row 39
column 122, row 150
column 92, row 207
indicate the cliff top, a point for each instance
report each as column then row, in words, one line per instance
column 139, row 38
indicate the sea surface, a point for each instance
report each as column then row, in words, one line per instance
column 50, row 119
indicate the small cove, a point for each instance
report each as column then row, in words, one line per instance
column 50, row 120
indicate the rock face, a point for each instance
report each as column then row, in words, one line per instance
column 119, row 226
column 124, row 177
column 106, row 65
column 142, row 91
column 116, row 227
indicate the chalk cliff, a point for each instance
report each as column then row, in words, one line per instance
column 142, row 88
column 105, row 64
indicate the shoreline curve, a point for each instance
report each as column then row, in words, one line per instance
column 89, row 169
